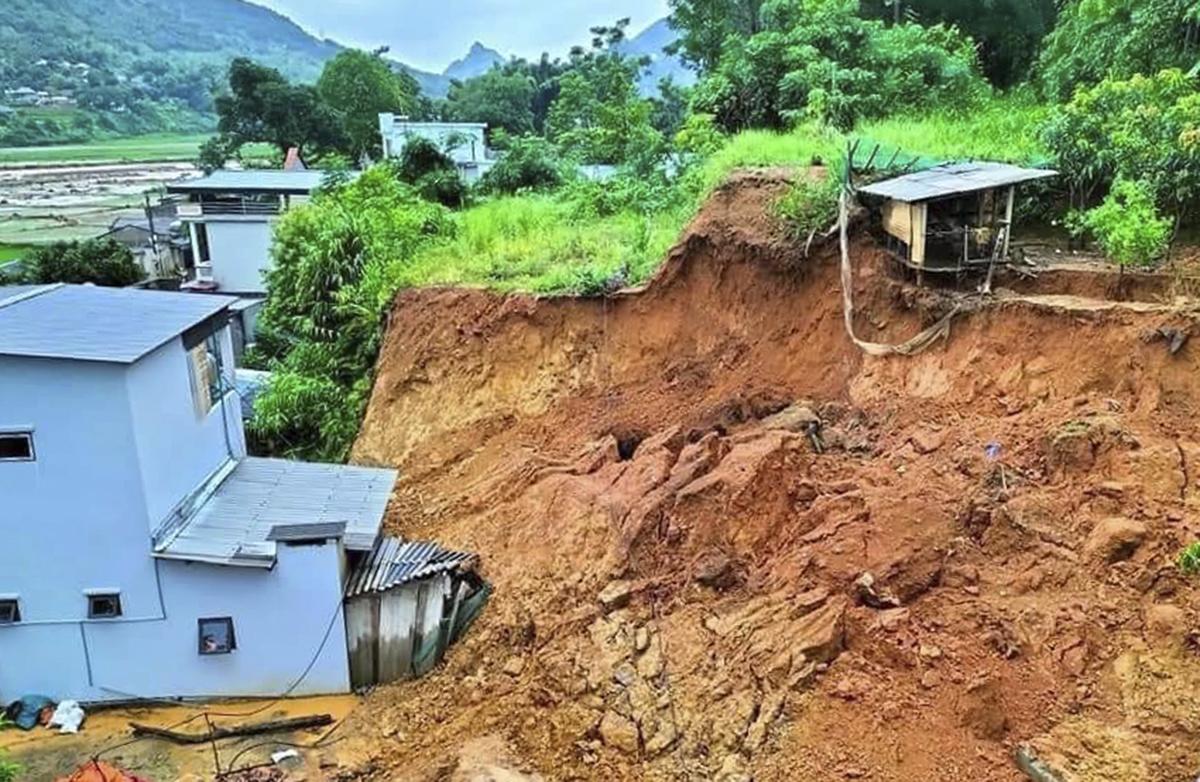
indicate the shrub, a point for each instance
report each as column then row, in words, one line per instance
column 528, row 165
column 432, row 173
column 810, row 205
column 1128, row 226
column 1189, row 560
column 9, row 770
column 98, row 261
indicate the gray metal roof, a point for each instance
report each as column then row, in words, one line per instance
column 953, row 179
column 90, row 323
column 256, row 181
column 394, row 562
column 233, row 525
column 292, row 533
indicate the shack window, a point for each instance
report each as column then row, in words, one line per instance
column 16, row 446
column 10, row 611
column 104, row 605
column 216, row 636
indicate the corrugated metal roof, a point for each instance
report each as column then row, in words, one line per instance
column 233, row 525
column 90, row 323
column 953, row 179
column 394, row 562
column 260, row 181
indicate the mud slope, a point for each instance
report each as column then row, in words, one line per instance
column 726, row 545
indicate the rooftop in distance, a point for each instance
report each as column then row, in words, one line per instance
column 255, row 181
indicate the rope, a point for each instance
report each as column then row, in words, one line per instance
column 919, row 343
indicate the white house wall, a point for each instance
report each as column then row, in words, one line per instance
column 280, row 616
column 164, row 417
column 240, row 252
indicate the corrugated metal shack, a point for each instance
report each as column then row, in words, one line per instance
column 952, row 217
column 406, row 603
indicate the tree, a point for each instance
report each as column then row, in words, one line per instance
column 97, row 261
column 820, row 60
column 545, row 75
column 358, row 87
column 1128, row 227
column 337, row 263
column 1009, row 32
column 528, row 164
column 504, row 100
column 262, row 105
column 705, row 25
column 1098, row 39
column 599, row 116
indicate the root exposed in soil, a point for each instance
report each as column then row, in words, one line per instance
column 726, row 545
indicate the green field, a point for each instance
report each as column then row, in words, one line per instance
column 162, row 147
column 11, row 252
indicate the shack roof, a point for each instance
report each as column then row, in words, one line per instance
column 395, row 562
column 91, row 323
column 252, row 181
column 953, row 179
column 262, row 501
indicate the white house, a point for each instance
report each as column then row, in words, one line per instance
column 464, row 142
column 229, row 216
column 145, row 554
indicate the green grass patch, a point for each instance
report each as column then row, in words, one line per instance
column 156, row 148
column 11, row 252
column 806, row 146
column 1004, row 129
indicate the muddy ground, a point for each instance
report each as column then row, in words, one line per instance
column 727, row 545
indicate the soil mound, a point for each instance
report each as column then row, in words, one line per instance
column 726, row 545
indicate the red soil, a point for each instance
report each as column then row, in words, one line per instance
column 688, row 587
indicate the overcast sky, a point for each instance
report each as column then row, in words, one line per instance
column 430, row 34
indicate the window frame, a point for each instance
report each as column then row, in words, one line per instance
column 232, row 635
column 14, row 616
column 206, row 365
column 27, row 436
column 113, row 595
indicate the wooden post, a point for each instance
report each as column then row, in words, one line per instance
column 1008, row 219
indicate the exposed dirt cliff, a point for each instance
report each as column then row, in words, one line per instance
column 726, row 545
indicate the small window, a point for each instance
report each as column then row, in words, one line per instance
column 104, row 606
column 207, row 371
column 216, row 636
column 16, row 446
column 10, row 611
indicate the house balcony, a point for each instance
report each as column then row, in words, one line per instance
column 198, row 210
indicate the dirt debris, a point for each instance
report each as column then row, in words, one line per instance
column 726, row 545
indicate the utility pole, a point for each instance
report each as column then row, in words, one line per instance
column 150, row 220
column 896, row 12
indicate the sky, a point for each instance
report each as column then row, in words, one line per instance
column 430, row 34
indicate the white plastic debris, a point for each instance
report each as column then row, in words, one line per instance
column 68, row 717
column 287, row 754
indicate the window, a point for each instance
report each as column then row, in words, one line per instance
column 216, row 636
column 202, row 244
column 206, row 370
column 16, row 446
column 10, row 611
column 104, row 605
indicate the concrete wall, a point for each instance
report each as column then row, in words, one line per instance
column 164, row 418
column 280, row 620
column 396, row 132
column 241, row 252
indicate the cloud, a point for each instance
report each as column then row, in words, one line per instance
column 430, row 35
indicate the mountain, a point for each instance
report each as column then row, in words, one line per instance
column 479, row 60
column 652, row 43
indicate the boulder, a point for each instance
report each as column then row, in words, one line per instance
column 715, row 569
column 619, row 733
column 1114, row 540
column 616, row 595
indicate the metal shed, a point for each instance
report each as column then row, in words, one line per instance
column 951, row 217
column 406, row 603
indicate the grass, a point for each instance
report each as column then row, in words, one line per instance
column 11, row 252
column 161, row 147
column 1003, row 129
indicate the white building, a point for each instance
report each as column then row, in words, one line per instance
column 464, row 142
column 145, row 554
column 229, row 217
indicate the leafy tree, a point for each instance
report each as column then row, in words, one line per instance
column 704, row 26
column 670, row 107
column 358, row 87
column 545, row 75
column 599, row 116
column 1098, row 39
column 337, row 262
column 699, row 136
column 1009, row 32
column 504, row 100
column 528, row 164
column 818, row 59
column 1128, row 227
column 97, row 261
column 263, row 106
column 431, row 172
column 1143, row 129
